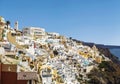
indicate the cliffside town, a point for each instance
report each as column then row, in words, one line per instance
column 40, row 57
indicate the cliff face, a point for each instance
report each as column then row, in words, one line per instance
column 106, row 72
column 104, row 49
column 108, row 54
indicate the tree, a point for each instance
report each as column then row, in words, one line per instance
column 7, row 23
column 70, row 38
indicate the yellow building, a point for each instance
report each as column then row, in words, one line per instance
column 98, row 59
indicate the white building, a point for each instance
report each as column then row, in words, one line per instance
column 2, row 50
column 2, row 22
column 53, row 34
column 34, row 32
column 46, row 76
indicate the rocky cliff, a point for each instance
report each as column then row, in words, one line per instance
column 106, row 72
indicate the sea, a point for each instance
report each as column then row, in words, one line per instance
column 115, row 52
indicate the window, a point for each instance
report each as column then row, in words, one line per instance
column 37, row 32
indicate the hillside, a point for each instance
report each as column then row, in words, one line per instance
column 56, row 59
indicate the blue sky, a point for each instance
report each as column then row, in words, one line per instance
column 87, row 20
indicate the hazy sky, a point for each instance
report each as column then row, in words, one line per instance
column 87, row 20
